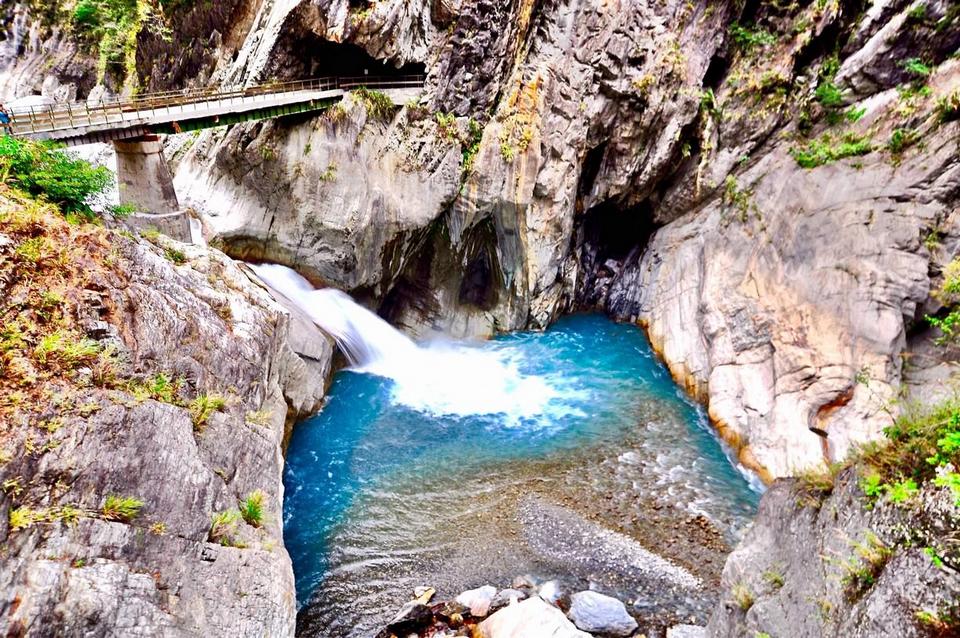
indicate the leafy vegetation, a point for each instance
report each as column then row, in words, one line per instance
column 378, row 104
column 901, row 139
column 860, row 571
column 829, row 148
column 742, row 596
column 121, row 508
column 203, row 406
column 251, row 508
column 110, row 28
column 224, row 528
column 949, row 296
column 749, row 37
column 916, row 67
column 922, row 446
column 44, row 170
column 948, row 107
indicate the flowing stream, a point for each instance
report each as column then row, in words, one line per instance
column 457, row 464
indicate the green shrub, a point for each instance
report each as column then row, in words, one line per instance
column 175, row 255
column 378, row 104
column 916, row 67
column 223, row 528
column 251, row 509
column 110, row 28
column 742, row 596
column 828, row 94
column 774, row 578
column 63, row 348
column 828, row 149
column 948, row 107
column 901, row 140
column 121, row 508
column 43, row 170
column 749, row 37
column 860, row 571
column 921, row 446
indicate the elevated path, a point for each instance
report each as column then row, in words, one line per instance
column 192, row 109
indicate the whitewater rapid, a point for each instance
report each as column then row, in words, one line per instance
column 439, row 379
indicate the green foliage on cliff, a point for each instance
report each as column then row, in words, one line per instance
column 121, row 508
column 922, row 446
column 110, row 28
column 251, row 509
column 749, row 37
column 378, row 104
column 949, row 295
column 828, row 149
column 43, row 170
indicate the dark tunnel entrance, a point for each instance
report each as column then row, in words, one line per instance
column 307, row 55
column 609, row 238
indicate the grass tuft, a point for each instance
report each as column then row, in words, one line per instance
column 121, row 508
column 203, row 407
column 251, row 509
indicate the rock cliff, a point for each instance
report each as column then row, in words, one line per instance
column 769, row 190
column 641, row 159
column 852, row 567
column 147, row 389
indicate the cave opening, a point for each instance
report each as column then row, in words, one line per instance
column 610, row 238
column 310, row 56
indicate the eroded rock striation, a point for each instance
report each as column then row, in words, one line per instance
column 652, row 161
column 146, row 401
column 755, row 184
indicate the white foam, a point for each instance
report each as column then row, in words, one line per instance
column 441, row 379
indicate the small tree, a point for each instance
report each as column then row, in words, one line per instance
column 43, row 170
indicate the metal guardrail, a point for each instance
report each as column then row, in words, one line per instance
column 72, row 115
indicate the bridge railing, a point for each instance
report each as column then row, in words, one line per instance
column 71, row 115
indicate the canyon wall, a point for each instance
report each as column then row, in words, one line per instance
column 147, row 392
column 630, row 157
column 638, row 158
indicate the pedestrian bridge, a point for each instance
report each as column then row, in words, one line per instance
column 193, row 109
column 133, row 126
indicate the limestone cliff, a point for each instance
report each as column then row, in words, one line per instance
column 644, row 159
column 852, row 567
column 641, row 158
column 145, row 397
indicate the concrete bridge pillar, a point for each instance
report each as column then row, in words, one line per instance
column 146, row 183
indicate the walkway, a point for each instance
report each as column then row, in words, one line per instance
column 172, row 111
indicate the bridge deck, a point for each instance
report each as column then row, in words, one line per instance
column 120, row 118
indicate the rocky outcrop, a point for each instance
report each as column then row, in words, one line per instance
column 839, row 566
column 138, row 430
column 635, row 158
column 38, row 57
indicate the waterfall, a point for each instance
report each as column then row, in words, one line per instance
column 436, row 378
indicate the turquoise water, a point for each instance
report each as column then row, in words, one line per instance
column 382, row 495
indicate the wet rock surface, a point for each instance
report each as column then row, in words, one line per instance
column 600, row 614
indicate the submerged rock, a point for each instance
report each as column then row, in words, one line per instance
column 597, row 613
column 533, row 618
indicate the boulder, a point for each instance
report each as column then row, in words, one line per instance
column 411, row 617
column 505, row 597
column 478, row 600
column 550, row 591
column 533, row 618
column 687, row 631
column 600, row 614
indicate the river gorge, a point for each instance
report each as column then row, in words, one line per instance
column 502, row 319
